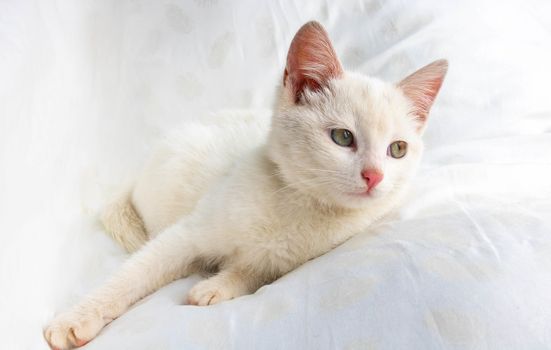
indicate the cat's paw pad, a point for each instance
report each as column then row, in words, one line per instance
column 208, row 293
column 70, row 330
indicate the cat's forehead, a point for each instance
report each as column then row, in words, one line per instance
column 374, row 105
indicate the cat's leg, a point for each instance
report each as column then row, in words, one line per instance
column 164, row 259
column 231, row 282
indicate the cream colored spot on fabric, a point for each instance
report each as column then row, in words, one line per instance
column 456, row 328
column 152, row 42
column 346, row 293
column 449, row 269
column 354, row 56
column 160, row 343
column 206, row 3
column 204, row 326
column 246, row 96
column 178, row 20
column 367, row 7
column 189, row 86
column 389, row 30
column 482, row 271
column 273, row 310
column 373, row 6
column 543, row 255
column 265, row 32
column 445, row 268
column 399, row 63
column 142, row 92
column 458, row 238
column 220, row 49
column 134, row 6
column 412, row 24
column 323, row 14
column 361, row 344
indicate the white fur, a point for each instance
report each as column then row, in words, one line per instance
column 254, row 201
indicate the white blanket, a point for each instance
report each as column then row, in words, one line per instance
column 87, row 86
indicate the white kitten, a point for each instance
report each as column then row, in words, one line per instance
column 256, row 203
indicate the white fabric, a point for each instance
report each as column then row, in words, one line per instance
column 87, row 86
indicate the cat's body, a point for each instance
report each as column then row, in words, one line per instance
column 183, row 167
column 256, row 202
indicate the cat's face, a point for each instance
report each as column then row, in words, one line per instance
column 344, row 138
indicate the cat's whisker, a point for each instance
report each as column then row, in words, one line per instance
column 307, row 182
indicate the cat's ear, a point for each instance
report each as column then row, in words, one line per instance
column 311, row 61
column 422, row 87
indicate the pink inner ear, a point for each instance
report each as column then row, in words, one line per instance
column 311, row 61
column 422, row 87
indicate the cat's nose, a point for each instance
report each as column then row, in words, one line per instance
column 372, row 177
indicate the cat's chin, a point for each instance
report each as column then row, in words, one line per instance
column 365, row 194
column 357, row 200
column 362, row 194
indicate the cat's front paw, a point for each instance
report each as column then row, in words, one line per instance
column 208, row 292
column 72, row 329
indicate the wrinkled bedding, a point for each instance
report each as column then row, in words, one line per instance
column 87, row 87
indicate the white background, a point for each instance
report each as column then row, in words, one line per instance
column 87, row 86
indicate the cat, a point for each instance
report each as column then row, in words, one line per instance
column 253, row 203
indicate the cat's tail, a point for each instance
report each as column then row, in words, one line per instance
column 123, row 223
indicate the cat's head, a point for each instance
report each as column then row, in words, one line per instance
column 345, row 138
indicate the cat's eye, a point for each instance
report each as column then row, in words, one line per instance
column 342, row 137
column 397, row 149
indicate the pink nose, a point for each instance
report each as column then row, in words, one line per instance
column 372, row 177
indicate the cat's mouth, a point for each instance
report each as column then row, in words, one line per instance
column 363, row 193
